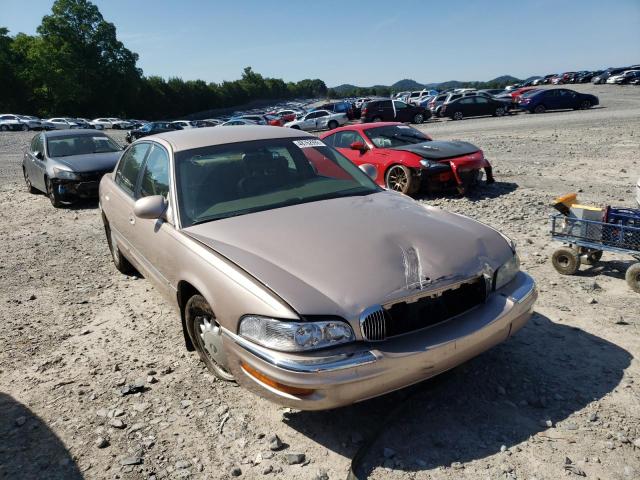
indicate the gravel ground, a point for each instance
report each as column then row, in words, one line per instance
column 560, row 399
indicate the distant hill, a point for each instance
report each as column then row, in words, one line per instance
column 409, row 84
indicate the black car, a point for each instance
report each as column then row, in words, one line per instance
column 539, row 101
column 150, row 129
column 473, row 106
column 393, row 111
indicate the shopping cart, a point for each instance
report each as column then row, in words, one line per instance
column 585, row 240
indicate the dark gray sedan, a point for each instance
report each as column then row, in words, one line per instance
column 68, row 164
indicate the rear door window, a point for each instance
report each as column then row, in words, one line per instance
column 129, row 167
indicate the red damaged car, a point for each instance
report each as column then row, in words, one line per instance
column 407, row 160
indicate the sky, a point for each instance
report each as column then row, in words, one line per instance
column 363, row 42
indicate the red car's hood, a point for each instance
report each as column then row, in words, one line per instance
column 439, row 150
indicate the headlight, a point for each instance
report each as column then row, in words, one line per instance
column 507, row 272
column 294, row 336
column 64, row 174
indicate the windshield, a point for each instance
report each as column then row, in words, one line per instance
column 395, row 136
column 237, row 179
column 80, row 145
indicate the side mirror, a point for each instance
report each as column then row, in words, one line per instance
column 370, row 170
column 150, row 207
column 38, row 155
column 358, row 146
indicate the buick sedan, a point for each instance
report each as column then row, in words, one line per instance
column 297, row 276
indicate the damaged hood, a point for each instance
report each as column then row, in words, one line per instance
column 439, row 150
column 339, row 256
column 94, row 162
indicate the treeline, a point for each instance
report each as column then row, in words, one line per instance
column 360, row 92
column 76, row 66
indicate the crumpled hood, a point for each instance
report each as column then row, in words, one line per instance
column 339, row 256
column 94, row 162
column 439, row 150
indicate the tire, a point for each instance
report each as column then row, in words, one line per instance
column 54, row 197
column 500, row 112
column 122, row 264
column 4, row 128
column 540, row 109
column 400, row 179
column 377, row 119
column 332, row 124
column 418, row 118
column 25, row 128
column 566, row 261
column 206, row 336
column 585, row 104
column 27, row 182
column 633, row 277
column 592, row 258
column 457, row 115
column 295, row 127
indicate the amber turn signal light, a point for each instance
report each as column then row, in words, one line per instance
column 301, row 392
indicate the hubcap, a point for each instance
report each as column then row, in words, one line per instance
column 398, row 179
column 564, row 261
column 211, row 337
column 418, row 118
column 458, row 115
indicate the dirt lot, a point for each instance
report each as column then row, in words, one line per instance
column 560, row 399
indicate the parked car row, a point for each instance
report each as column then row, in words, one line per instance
column 180, row 207
column 622, row 75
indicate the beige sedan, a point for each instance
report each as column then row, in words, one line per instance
column 296, row 275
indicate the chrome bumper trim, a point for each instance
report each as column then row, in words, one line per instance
column 524, row 291
column 310, row 365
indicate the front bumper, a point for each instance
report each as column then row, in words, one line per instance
column 368, row 369
column 71, row 189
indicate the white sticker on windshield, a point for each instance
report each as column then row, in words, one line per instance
column 308, row 143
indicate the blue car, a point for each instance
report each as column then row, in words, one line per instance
column 539, row 101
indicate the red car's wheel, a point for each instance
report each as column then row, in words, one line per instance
column 400, row 179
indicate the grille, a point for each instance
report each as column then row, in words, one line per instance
column 373, row 324
column 91, row 176
column 379, row 323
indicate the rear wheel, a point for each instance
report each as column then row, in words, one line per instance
column 206, row 336
column 457, row 115
column 27, row 182
column 499, row 112
column 121, row 263
column 377, row 119
column 585, row 104
column 633, row 277
column 332, row 124
column 400, row 179
column 418, row 118
column 25, row 128
column 295, row 127
column 566, row 261
column 4, row 128
column 540, row 109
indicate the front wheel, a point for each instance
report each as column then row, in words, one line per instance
column 499, row 112
column 540, row 109
column 25, row 128
column 566, row 261
column 400, row 179
column 377, row 119
column 332, row 124
column 295, row 127
column 458, row 115
column 54, row 196
column 206, row 336
column 633, row 277
column 4, row 128
column 419, row 118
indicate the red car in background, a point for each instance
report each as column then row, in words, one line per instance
column 407, row 160
column 516, row 93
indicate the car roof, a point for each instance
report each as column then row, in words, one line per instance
column 78, row 133
column 205, row 137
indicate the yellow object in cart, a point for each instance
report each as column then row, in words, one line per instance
column 568, row 205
